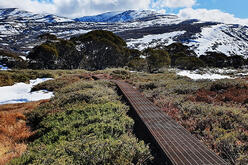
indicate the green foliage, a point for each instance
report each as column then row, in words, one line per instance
column 13, row 76
column 120, row 74
column 43, row 56
column 157, row 59
column 189, row 63
column 52, row 85
column 220, row 60
column 65, row 77
column 5, row 79
column 215, row 59
column 177, row 47
column 174, row 57
column 47, row 36
column 221, row 126
column 236, row 61
column 61, row 54
column 69, row 57
column 101, row 49
column 134, row 53
column 101, row 36
column 12, row 60
column 85, row 123
column 138, row 64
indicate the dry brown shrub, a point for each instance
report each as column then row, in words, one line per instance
column 22, row 107
column 233, row 95
column 13, row 129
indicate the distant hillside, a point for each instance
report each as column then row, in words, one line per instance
column 126, row 16
column 19, row 30
column 14, row 14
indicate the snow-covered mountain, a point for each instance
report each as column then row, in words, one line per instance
column 125, row 16
column 98, row 18
column 19, row 30
column 14, row 14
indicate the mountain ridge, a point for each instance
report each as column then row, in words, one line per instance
column 122, row 16
column 15, row 14
column 141, row 29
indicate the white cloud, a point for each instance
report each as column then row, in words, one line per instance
column 75, row 8
column 28, row 5
column 173, row 3
column 79, row 8
column 211, row 15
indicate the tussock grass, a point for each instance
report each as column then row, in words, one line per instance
column 14, row 131
column 10, row 77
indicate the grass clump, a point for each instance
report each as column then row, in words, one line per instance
column 10, row 77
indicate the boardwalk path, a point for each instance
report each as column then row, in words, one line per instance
column 179, row 146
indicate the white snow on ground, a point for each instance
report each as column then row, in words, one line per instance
column 23, row 57
column 20, row 92
column 222, row 71
column 242, row 74
column 196, row 76
column 147, row 41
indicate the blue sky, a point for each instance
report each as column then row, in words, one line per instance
column 236, row 7
column 227, row 11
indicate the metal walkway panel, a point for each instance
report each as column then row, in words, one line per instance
column 181, row 147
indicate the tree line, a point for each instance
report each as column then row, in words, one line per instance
column 101, row 49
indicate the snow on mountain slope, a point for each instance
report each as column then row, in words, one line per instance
column 152, row 40
column 142, row 28
column 98, row 18
column 223, row 38
column 126, row 16
column 13, row 14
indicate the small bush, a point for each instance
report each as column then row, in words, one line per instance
column 138, row 64
column 120, row 74
column 189, row 63
column 8, row 78
column 53, row 85
column 157, row 59
column 85, row 123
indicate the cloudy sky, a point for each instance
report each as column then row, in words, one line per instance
column 228, row 11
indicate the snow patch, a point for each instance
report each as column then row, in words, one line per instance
column 20, row 92
column 196, row 76
column 151, row 40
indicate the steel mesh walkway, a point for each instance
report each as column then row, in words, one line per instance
column 180, row 147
